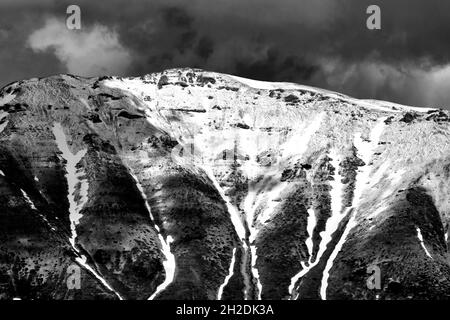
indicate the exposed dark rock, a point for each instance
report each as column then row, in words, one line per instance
column 128, row 115
column 94, row 117
column 408, row 117
column 242, row 126
column 292, row 99
column 389, row 120
column 203, row 80
column 163, row 81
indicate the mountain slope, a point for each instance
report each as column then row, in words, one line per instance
column 189, row 184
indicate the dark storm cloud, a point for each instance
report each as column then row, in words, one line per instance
column 177, row 17
column 323, row 43
column 17, row 61
column 276, row 67
column 205, row 48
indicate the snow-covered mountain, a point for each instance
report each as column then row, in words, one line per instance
column 189, row 184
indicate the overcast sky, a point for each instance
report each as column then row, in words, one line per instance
column 324, row 43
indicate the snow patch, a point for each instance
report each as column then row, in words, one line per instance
column 311, row 224
column 250, row 212
column 234, row 214
column 332, row 223
column 293, row 149
column 378, row 105
column 336, row 193
column 365, row 152
column 5, row 122
column 399, row 107
column 380, row 173
column 7, row 98
column 27, row 198
column 32, row 206
column 228, row 277
column 74, row 177
column 255, row 271
column 265, row 85
column 4, row 100
column 420, row 237
column 272, row 201
column 82, row 261
column 326, row 272
column 378, row 211
column 169, row 263
column 394, row 179
column 294, row 279
column 297, row 145
column 235, row 220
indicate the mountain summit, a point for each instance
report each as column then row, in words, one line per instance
column 189, row 184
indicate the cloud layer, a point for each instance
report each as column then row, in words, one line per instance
column 323, row 43
column 88, row 52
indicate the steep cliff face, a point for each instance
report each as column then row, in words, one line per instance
column 188, row 184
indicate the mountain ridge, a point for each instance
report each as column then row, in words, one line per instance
column 199, row 185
